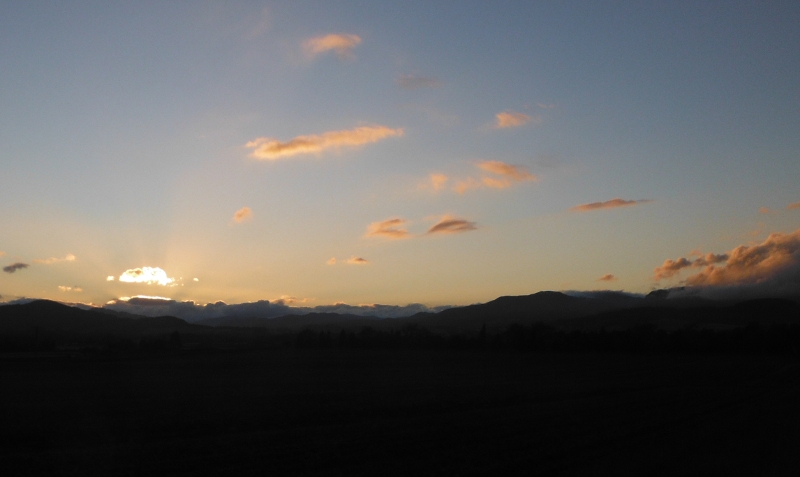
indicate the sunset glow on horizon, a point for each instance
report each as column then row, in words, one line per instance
column 311, row 154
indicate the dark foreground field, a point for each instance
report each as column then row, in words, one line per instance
column 372, row 412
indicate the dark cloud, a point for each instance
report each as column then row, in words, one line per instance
column 452, row 225
column 607, row 278
column 14, row 267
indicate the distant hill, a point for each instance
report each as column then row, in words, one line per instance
column 49, row 319
column 293, row 323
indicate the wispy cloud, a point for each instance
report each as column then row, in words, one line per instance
column 52, row 260
column 607, row 278
column 511, row 119
column 148, row 275
column 390, row 228
column 14, row 267
column 463, row 185
column 416, row 82
column 2, row 253
column 509, row 175
column 609, row 204
column 271, row 149
column 793, row 206
column 110, row 278
column 438, row 181
column 342, row 44
column 765, row 211
column 357, row 261
column 511, row 172
column 331, row 261
column 243, row 214
column 452, row 225
column 75, row 288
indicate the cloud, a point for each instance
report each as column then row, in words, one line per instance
column 452, row 225
column 793, row 206
column 331, row 261
column 342, row 44
column 242, row 215
column 671, row 268
column 388, row 228
column 271, row 149
column 509, row 175
column 76, row 289
column 511, row 119
column 110, row 278
column 765, row 210
column 52, row 260
column 2, row 253
column 14, row 267
column 357, row 261
column 768, row 269
column 148, row 275
column 509, row 171
column 464, row 185
column 776, row 257
column 195, row 279
column 609, row 204
column 438, row 181
column 607, row 278
column 416, row 82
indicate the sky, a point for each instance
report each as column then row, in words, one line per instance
column 439, row 153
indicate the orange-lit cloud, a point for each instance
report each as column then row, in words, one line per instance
column 671, row 268
column 110, row 278
column 452, row 225
column 271, row 149
column 148, row 275
column 2, row 253
column 331, row 261
column 438, row 181
column 76, row 289
column 52, row 260
column 765, row 210
column 778, row 255
column 607, row 278
column 416, row 82
column 793, row 206
column 388, row 228
column 509, row 175
column 242, row 215
column 342, row 44
column 464, row 185
column 357, row 261
column 511, row 119
column 14, row 267
column 609, row 204
column 510, row 171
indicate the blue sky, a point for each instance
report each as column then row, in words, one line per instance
column 124, row 132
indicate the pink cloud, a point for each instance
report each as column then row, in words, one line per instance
column 342, row 44
column 243, row 214
column 452, row 225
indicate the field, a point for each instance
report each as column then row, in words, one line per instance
column 400, row 412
